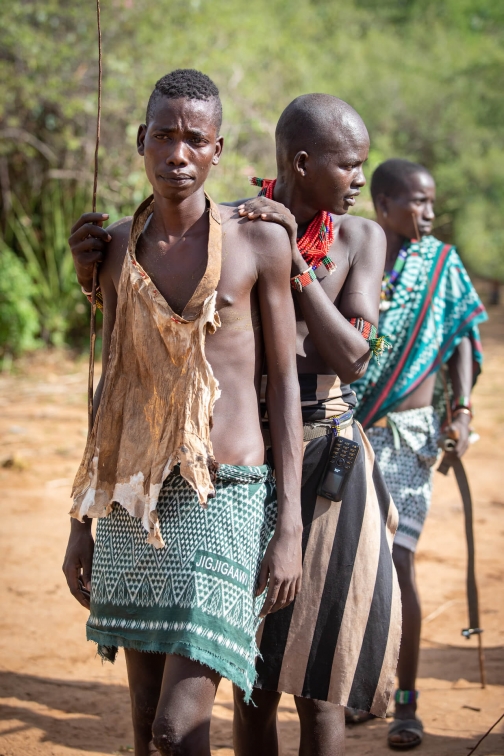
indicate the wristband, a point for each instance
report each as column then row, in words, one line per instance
column 369, row 332
column 89, row 297
column 406, row 696
column 461, row 401
column 462, row 411
column 303, row 280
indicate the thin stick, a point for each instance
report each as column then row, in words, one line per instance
column 92, row 324
column 485, row 735
column 481, row 656
column 431, row 306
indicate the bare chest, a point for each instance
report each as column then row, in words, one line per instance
column 332, row 283
column 176, row 272
column 176, row 269
column 237, row 302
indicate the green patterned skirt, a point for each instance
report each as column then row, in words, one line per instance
column 194, row 597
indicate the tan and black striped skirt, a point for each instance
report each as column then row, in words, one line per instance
column 339, row 640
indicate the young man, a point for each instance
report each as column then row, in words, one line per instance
column 187, row 505
column 400, row 404
column 339, row 642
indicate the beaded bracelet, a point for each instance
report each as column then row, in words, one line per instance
column 406, row 696
column 89, row 296
column 377, row 344
column 303, row 280
column 462, row 401
column 462, row 411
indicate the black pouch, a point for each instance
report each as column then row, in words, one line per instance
column 339, row 465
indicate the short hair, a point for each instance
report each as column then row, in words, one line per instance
column 391, row 177
column 314, row 122
column 187, row 83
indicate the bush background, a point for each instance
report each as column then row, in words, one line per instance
column 425, row 75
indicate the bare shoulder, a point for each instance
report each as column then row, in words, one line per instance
column 235, row 203
column 119, row 231
column 365, row 238
column 268, row 242
column 116, row 249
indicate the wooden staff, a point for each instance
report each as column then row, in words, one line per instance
column 92, row 324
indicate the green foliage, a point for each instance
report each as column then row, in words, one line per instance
column 39, row 235
column 426, row 75
column 19, row 322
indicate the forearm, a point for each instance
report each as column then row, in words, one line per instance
column 286, row 430
column 340, row 345
column 460, row 366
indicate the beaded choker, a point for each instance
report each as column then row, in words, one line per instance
column 315, row 243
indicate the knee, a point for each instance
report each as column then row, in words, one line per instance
column 178, row 736
column 168, row 740
column 311, row 710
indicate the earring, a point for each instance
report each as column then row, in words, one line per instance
column 385, row 213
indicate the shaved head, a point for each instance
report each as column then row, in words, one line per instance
column 321, row 146
column 316, row 123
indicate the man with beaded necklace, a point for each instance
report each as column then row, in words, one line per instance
column 338, row 643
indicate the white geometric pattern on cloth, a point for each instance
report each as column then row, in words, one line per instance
column 171, row 600
column 408, row 470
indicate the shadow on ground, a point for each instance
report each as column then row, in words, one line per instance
column 68, row 713
column 453, row 663
column 74, row 713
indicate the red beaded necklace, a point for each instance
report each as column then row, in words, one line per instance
column 318, row 237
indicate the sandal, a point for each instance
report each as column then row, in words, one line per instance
column 356, row 716
column 399, row 726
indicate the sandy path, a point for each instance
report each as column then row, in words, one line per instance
column 56, row 697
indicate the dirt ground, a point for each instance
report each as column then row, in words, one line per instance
column 56, row 697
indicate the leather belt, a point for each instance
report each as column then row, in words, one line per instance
column 314, row 430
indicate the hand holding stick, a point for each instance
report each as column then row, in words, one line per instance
column 92, row 325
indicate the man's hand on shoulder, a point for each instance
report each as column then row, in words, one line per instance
column 271, row 246
column 261, row 208
column 89, row 243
